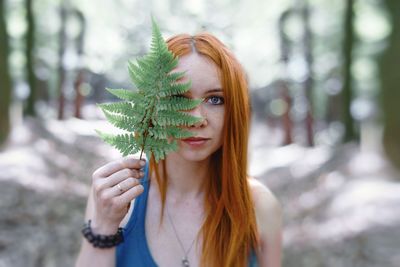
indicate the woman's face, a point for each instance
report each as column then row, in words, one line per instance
column 206, row 84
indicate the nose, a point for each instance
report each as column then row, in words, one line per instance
column 199, row 112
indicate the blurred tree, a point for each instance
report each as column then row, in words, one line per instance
column 390, row 80
column 347, row 91
column 5, row 77
column 301, row 9
column 30, row 61
column 308, row 83
column 287, row 122
column 80, row 72
column 62, row 39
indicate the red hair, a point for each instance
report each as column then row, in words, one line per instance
column 229, row 231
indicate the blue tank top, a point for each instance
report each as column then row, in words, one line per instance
column 134, row 251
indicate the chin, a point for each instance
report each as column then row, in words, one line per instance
column 194, row 156
column 198, row 154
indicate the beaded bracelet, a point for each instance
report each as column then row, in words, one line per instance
column 102, row 241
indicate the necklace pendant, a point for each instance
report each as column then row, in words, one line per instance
column 185, row 262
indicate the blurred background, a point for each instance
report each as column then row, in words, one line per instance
column 325, row 133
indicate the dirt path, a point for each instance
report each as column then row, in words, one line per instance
column 340, row 206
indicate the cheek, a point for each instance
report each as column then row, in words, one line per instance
column 218, row 120
column 216, row 113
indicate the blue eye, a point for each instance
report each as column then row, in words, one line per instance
column 216, row 100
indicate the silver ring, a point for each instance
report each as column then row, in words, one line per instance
column 120, row 188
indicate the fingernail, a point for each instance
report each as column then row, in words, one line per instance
column 142, row 162
column 141, row 174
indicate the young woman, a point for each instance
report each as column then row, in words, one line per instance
column 198, row 207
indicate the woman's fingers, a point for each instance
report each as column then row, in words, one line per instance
column 101, row 183
column 121, row 175
column 114, row 186
column 117, row 184
column 126, row 197
column 118, row 198
column 121, row 187
column 115, row 166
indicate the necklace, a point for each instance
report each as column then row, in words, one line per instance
column 185, row 260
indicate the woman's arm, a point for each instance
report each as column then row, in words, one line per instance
column 107, row 207
column 269, row 222
column 89, row 255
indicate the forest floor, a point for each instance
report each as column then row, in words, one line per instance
column 340, row 204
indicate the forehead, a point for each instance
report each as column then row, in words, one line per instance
column 202, row 71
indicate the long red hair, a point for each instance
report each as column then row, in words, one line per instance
column 229, row 231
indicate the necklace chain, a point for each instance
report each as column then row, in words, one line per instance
column 185, row 261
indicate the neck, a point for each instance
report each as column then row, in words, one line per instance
column 185, row 178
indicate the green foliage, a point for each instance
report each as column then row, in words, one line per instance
column 153, row 115
column 5, row 78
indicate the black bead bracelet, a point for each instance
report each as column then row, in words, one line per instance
column 102, row 241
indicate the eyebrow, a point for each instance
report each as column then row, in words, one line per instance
column 215, row 90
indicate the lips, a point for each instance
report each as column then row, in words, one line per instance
column 195, row 139
column 195, row 142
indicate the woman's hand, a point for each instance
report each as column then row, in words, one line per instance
column 114, row 186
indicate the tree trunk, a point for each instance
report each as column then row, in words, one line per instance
column 30, row 61
column 308, row 83
column 287, row 122
column 61, row 51
column 347, row 92
column 79, row 97
column 5, row 78
column 390, row 91
column 286, row 119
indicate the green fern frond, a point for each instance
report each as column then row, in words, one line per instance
column 125, row 143
column 126, row 108
column 122, row 122
column 174, row 89
column 177, row 103
column 153, row 114
column 125, row 94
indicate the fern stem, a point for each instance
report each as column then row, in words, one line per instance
column 146, row 133
column 141, row 153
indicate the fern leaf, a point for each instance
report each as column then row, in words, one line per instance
column 125, row 143
column 124, row 94
column 154, row 114
column 126, row 108
column 177, row 103
column 122, row 122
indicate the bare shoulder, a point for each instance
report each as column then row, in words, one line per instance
column 269, row 223
column 267, row 207
column 262, row 196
